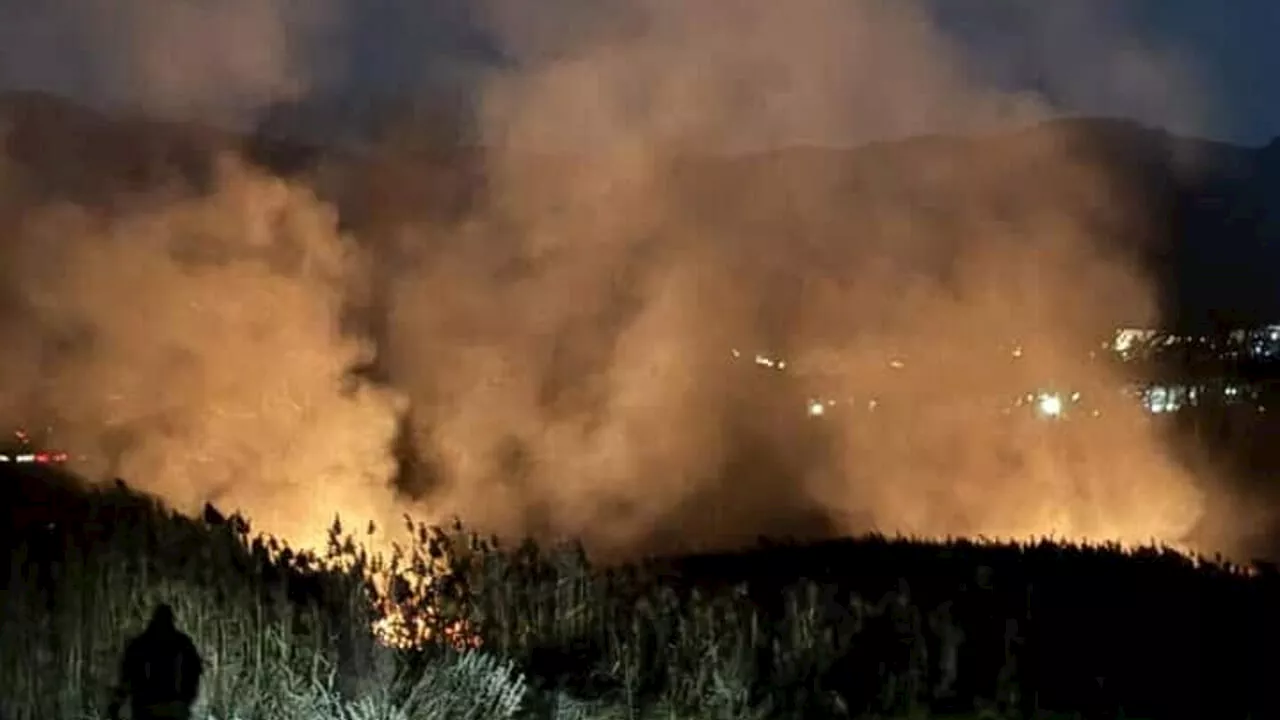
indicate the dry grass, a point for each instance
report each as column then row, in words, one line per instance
column 294, row 635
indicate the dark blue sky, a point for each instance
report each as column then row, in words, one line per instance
column 1229, row 50
column 1226, row 50
column 1237, row 45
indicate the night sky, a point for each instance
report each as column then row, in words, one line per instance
column 1236, row 44
column 1229, row 49
column 1226, row 50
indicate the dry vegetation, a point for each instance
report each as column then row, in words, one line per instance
column 536, row 339
column 285, row 634
column 880, row 627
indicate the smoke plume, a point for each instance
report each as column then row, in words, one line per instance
column 561, row 360
column 567, row 356
column 221, row 61
column 192, row 345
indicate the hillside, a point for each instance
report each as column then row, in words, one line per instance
column 1209, row 225
column 833, row 630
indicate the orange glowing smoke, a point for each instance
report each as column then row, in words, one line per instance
column 556, row 354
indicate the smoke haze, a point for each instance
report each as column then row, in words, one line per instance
column 558, row 359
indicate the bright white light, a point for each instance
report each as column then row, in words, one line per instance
column 816, row 408
column 1050, row 405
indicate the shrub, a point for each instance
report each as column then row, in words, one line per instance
column 891, row 627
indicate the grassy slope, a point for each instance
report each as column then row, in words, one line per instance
column 822, row 629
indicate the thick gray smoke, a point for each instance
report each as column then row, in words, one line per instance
column 563, row 353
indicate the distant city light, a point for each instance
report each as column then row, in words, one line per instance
column 27, row 455
column 1050, row 405
column 1127, row 343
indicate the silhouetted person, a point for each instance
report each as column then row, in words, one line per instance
column 160, row 674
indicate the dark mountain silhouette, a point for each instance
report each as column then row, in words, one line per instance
column 1202, row 217
column 1208, row 212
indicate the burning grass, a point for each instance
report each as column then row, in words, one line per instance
column 890, row 627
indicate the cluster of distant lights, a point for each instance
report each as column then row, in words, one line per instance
column 1046, row 404
column 1128, row 342
column 1260, row 342
column 42, row 458
column 1155, row 399
column 31, row 457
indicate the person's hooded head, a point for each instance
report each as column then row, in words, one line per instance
column 161, row 619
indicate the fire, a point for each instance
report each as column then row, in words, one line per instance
column 409, row 616
column 399, row 629
column 416, row 596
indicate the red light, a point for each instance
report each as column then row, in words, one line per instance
column 42, row 457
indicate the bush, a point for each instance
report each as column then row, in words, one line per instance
column 75, row 590
column 284, row 633
column 875, row 626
